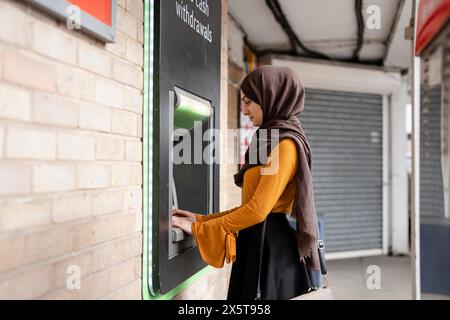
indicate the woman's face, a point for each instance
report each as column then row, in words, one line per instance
column 252, row 110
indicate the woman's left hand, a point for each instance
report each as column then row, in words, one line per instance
column 182, row 223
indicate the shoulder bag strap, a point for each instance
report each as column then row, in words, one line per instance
column 261, row 247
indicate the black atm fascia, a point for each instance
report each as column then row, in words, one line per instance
column 186, row 60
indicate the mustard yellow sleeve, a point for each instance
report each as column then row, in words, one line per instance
column 216, row 238
column 203, row 218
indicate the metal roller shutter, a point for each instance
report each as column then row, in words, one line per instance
column 431, row 184
column 345, row 133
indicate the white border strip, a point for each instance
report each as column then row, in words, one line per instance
column 353, row 254
column 386, row 214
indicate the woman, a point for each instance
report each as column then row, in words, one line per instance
column 273, row 98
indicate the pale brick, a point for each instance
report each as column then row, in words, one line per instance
column 2, row 138
column 49, row 243
column 109, row 93
column 24, row 143
column 115, row 252
column 94, row 117
column 14, row 103
column 98, row 285
column 132, row 199
column 122, row 175
column 118, row 47
column 126, row 73
column 54, row 44
column 75, row 83
column 71, row 208
column 27, row 284
column 134, row 100
column 61, row 294
column 138, row 225
column 110, row 148
column 54, row 110
column 130, row 292
column 56, row 177
column 94, row 60
column 24, row 214
column 140, row 33
column 107, row 202
column 121, row 3
column 16, row 26
column 140, row 82
column 103, row 229
column 124, row 123
column 133, row 150
column 91, row 176
column 136, row 8
column 135, row 52
column 1, row 62
column 126, row 24
column 76, row 147
column 15, row 179
column 139, row 126
column 137, row 171
column 12, row 253
column 97, row 259
column 133, row 245
column 124, row 273
column 28, row 71
column 60, row 268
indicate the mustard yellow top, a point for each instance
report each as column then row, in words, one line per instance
column 266, row 188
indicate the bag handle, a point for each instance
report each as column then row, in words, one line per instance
column 320, row 247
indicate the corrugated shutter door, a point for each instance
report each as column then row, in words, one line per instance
column 431, row 184
column 345, row 133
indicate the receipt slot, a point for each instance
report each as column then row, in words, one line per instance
column 186, row 105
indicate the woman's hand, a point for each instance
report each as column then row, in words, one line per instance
column 182, row 223
column 184, row 214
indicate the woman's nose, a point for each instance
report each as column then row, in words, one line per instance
column 245, row 110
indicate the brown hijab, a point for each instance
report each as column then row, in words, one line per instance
column 280, row 93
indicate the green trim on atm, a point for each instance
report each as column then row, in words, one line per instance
column 184, row 285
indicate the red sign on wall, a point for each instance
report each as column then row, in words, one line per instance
column 99, row 9
column 431, row 18
column 96, row 17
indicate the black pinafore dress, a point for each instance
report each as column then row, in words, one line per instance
column 283, row 276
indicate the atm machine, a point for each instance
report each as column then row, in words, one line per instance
column 186, row 106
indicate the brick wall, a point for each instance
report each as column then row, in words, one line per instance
column 70, row 156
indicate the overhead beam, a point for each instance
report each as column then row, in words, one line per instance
column 280, row 17
column 390, row 37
